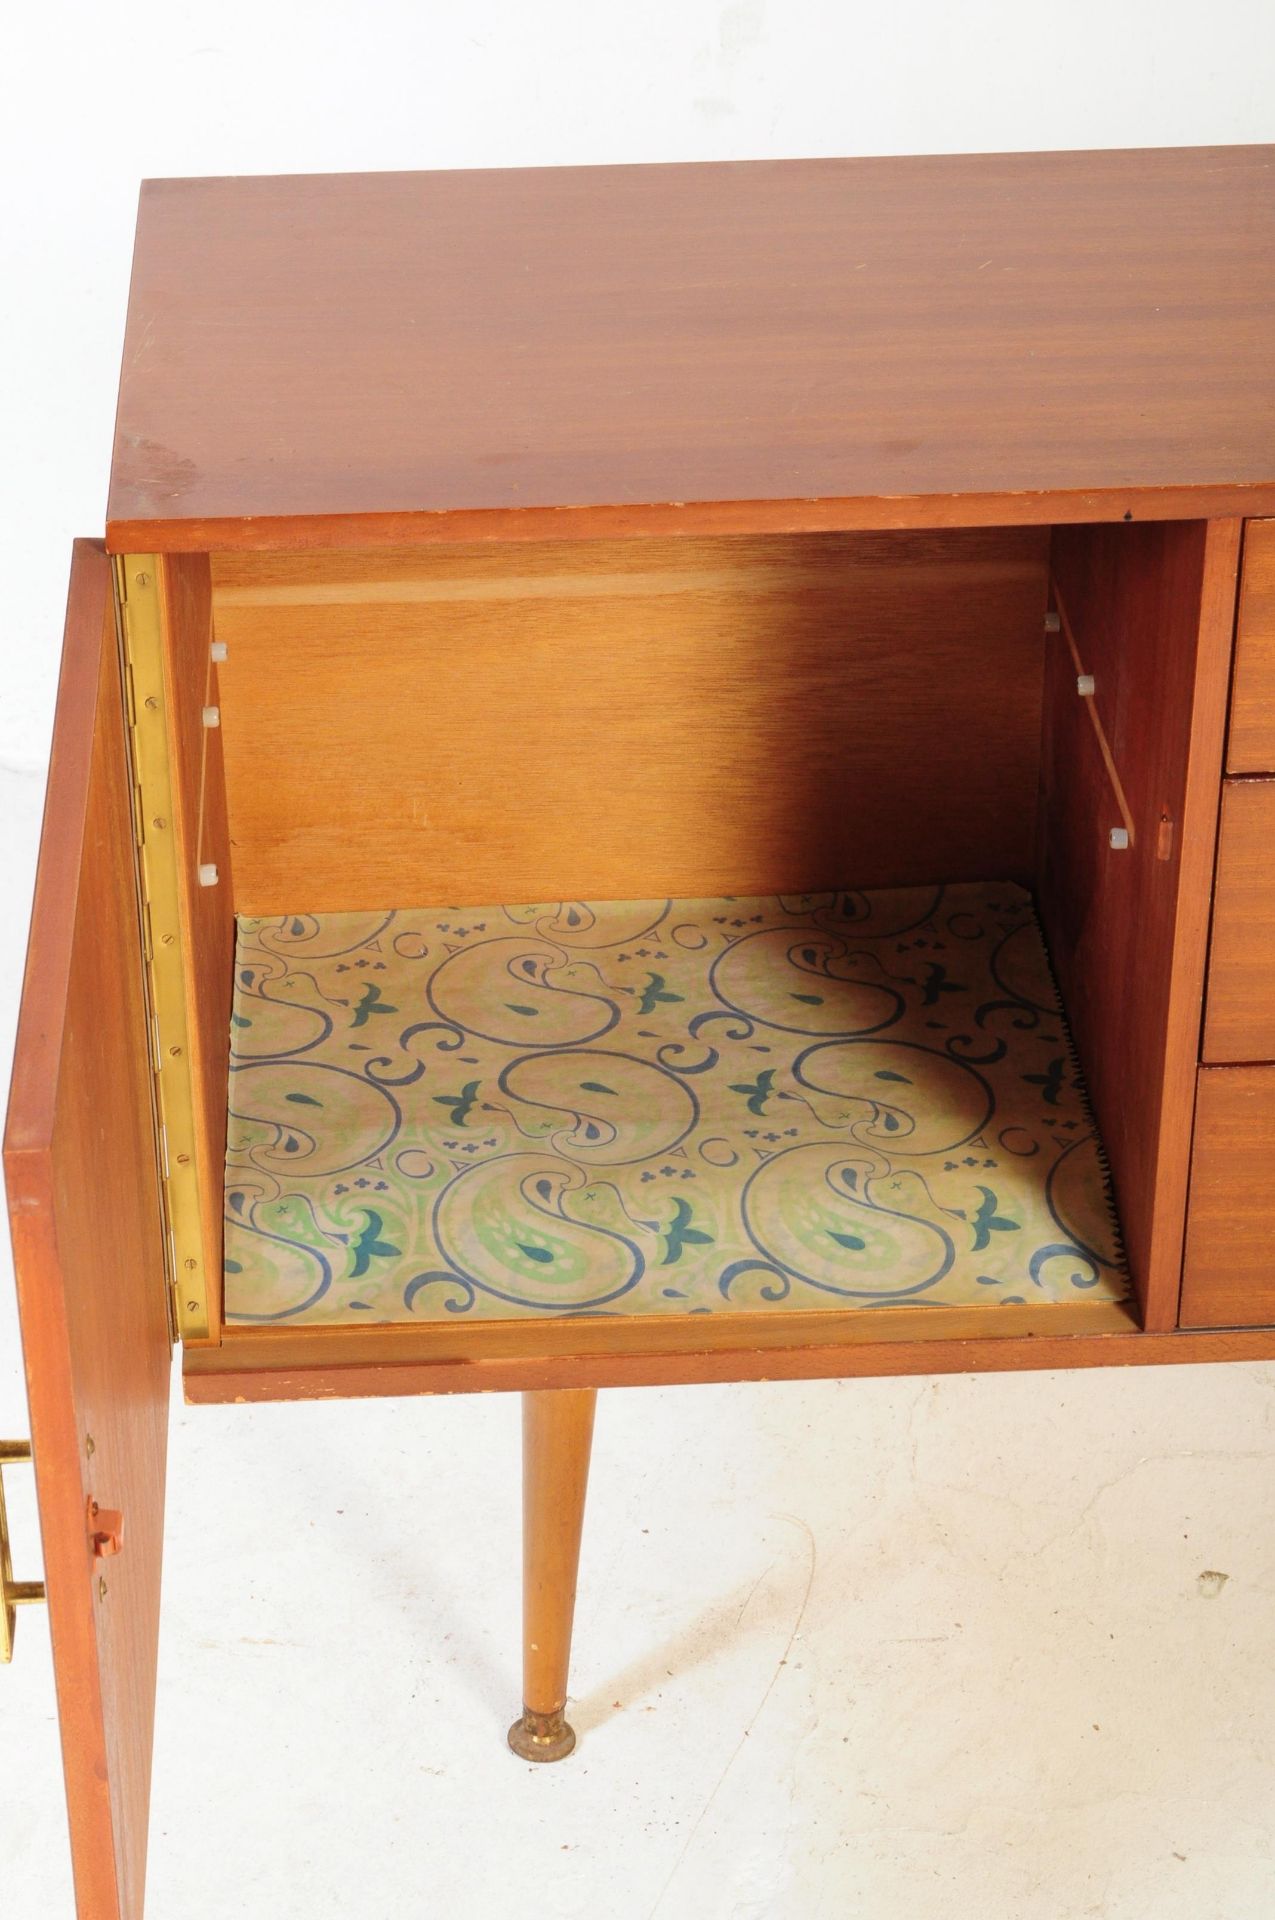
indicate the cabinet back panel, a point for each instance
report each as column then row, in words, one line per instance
column 621, row 719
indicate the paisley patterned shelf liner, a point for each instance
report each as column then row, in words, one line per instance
column 836, row 1100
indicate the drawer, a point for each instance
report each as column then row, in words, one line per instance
column 1240, row 1017
column 1229, row 1272
column 1251, row 743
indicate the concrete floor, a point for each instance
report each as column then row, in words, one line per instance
column 996, row 1648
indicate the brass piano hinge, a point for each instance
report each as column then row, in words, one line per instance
column 137, row 600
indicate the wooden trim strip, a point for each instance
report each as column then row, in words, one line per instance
column 304, row 532
column 212, row 1376
column 1201, row 815
column 690, row 1334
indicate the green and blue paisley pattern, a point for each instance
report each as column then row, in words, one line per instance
column 835, row 1100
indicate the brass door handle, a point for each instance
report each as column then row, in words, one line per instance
column 13, row 1593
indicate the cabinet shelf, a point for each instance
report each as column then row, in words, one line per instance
column 818, row 1103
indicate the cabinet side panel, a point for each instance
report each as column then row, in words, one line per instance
column 1151, row 609
column 81, row 1172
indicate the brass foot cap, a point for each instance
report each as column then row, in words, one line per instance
column 541, row 1736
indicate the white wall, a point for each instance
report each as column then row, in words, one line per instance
column 94, row 97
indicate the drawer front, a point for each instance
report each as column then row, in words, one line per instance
column 1240, row 1016
column 1229, row 1272
column 1251, row 742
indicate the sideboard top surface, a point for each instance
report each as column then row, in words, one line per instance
column 384, row 357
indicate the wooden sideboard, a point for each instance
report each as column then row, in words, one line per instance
column 764, row 556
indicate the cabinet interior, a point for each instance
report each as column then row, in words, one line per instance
column 814, row 734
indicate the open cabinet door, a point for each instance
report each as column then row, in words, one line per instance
column 82, row 1175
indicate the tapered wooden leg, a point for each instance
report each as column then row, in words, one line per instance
column 557, row 1434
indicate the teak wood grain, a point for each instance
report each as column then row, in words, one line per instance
column 1251, row 742
column 628, row 720
column 790, row 345
column 1241, row 1002
column 207, row 913
column 1152, row 612
column 81, row 1172
column 1229, row 1278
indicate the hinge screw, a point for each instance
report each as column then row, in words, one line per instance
column 151, row 703
column 192, row 1306
column 190, row 1265
column 90, row 1445
column 176, row 1052
column 142, row 579
column 101, row 1589
column 159, row 822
